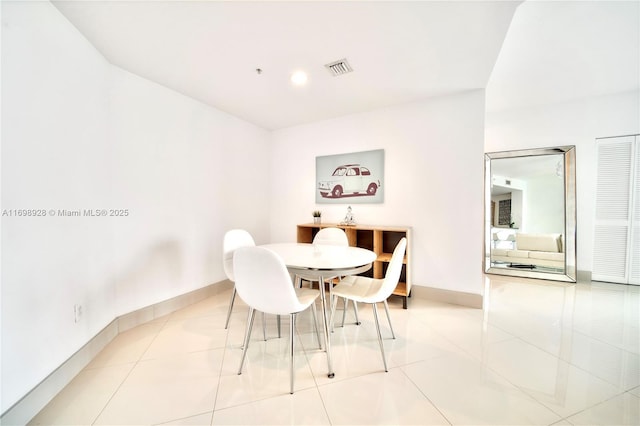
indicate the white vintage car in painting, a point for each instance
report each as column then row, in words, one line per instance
column 349, row 180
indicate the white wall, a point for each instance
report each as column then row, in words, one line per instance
column 576, row 123
column 433, row 177
column 544, row 205
column 187, row 173
column 55, row 155
column 78, row 133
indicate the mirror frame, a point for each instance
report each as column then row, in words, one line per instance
column 569, row 153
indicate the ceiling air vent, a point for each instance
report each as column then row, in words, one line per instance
column 339, row 67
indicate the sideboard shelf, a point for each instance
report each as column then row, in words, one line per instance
column 379, row 239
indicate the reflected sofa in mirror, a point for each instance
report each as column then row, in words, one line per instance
column 530, row 213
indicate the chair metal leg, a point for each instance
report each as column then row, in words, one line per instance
column 375, row 315
column 233, row 298
column 279, row 327
column 264, row 326
column 355, row 312
column 292, row 327
column 315, row 324
column 246, row 327
column 386, row 309
column 332, row 313
column 247, row 336
column 346, row 307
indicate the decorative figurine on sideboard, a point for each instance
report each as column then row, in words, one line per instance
column 348, row 218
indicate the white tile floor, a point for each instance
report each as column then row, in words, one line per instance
column 540, row 353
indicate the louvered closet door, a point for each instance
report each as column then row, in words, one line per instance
column 616, row 239
column 634, row 253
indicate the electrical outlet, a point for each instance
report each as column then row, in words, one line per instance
column 77, row 312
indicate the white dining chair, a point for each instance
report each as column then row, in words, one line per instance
column 263, row 282
column 335, row 237
column 233, row 239
column 331, row 237
column 372, row 291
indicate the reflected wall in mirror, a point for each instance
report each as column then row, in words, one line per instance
column 530, row 213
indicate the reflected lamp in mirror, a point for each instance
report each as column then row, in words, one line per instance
column 530, row 213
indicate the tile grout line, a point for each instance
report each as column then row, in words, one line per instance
column 315, row 381
column 128, row 374
column 224, row 355
column 423, row 394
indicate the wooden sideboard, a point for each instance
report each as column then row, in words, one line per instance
column 381, row 240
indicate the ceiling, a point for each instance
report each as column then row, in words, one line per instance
column 558, row 51
column 209, row 50
column 400, row 51
column 525, row 169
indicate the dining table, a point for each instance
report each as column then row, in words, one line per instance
column 324, row 261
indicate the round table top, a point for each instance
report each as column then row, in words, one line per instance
column 320, row 257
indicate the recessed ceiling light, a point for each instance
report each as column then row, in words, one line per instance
column 299, row 78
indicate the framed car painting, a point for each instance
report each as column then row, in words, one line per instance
column 354, row 178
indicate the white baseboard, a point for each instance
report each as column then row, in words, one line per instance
column 34, row 401
column 583, row 276
column 447, row 296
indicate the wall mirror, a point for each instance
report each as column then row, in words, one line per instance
column 530, row 213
